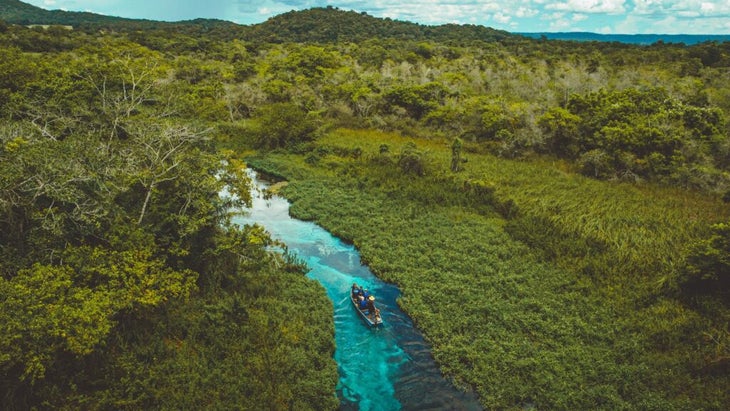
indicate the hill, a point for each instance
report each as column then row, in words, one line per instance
column 18, row 12
column 319, row 25
column 330, row 24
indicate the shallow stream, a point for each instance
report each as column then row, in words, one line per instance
column 386, row 368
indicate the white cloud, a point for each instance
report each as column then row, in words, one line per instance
column 560, row 25
column 555, row 16
column 589, row 6
column 688, row 14
column 501, row 18
column 616, row 16
column 524, row 12
column 716, row 8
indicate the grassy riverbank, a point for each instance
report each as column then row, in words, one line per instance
column 534, row 285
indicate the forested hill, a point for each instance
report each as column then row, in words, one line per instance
column 18, row 12
column 320, row 25
column 330, row 24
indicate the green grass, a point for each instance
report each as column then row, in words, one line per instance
column 561, row 306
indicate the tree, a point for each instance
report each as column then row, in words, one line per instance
column 283, row 125
column 456, row 154
column 417, row 100
column 160, row 154
column 561, row 128
column 50, row 310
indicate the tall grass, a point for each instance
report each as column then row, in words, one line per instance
column 558, row 306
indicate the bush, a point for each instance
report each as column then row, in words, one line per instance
column 707, row 266
column 282, row 125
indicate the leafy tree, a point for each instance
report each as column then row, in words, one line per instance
column 16, row 72
column 641, row 133
column 561, row 128
column 416, row 100
column 283, row 125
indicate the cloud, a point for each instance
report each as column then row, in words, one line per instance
column 589, row 6
column 617, row 16
column 524, row 12
column 501, row 18
column 669, row 8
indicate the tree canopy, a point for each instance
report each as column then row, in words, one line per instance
column 581, row 189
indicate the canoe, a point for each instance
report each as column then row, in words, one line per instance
column 369, row 321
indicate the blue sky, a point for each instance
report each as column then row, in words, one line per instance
column 599, row 16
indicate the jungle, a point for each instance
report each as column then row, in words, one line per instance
column 554, row 213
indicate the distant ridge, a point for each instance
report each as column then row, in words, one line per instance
column 327, row 25
column 640, row 39
column 18, row 12
column 331, row 24
column 323, row 25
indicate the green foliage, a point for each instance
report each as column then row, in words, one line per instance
column 411, row 160
column 708, row 263
column 416, row 100
column 561, row 128
column 123, row 284
column 514, row 95
column 283, row 125
column 636, row 133
column 107, row 153
column 49, row 309
column 330, row 24
column 535, row 287
column 311, row 62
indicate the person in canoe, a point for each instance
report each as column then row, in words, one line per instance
column 370, row 305
column 372, row 311
column 362, row 303
column 377, row 318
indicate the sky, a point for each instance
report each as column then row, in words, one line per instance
column 517, row 16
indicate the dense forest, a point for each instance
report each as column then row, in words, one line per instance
column 554, row 213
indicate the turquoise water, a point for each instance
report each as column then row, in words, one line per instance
column 385, row 368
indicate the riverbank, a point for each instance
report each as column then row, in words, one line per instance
column 522, row 325
column 388, row 368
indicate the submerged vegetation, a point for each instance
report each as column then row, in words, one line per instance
column 554, row 213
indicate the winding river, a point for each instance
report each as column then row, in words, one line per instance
column 387, row 368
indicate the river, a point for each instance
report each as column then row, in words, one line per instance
column 387, row 368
